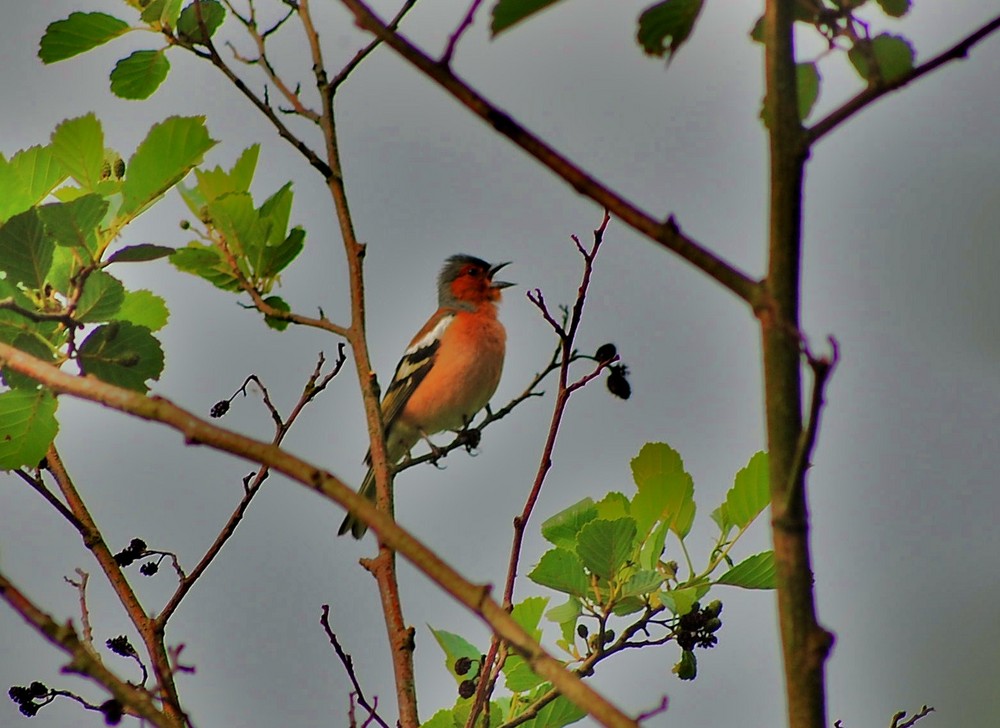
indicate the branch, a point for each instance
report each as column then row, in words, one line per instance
column 665, row 233
column 466, row 23
column 838, row 116
column 197, row 431
column 361, row 55
column 924, row 711
column 83, row 661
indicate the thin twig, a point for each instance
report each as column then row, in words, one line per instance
column 361, row 55
column 848, row 109
column 924, row 711
column 36, row 482
column 466, row 23
column 348, row 664
column 81, row 589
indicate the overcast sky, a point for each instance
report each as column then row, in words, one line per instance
column 901, row 260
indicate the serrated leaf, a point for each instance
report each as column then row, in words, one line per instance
column 244, row 230
column 212, row 16
column 163, row 12
column 140, row 253
column 884, row 59
column 205, row 262
column 507, row 13
column 613, row 505
column 455, row 646
column 169, row 151
column 566, row 615
column 562, row 528
column 276, row 258
column 642, row 582
column 25, row 249
column 756, row 572
column 666, row 490
column 528, row 613
column 751, row 492
column 29, row 344
column 27, row 427
column 277, row 209
column 895, row 8
column 75, row 223
column 122, row 354
column 669, row 20
column 78, row 33
column 102, row 296
column 561, row 570
column 66, row 265
column 652, row 549
column 605, row 546
column 560, row 712
column 139, row 75
column 518, row 677
column 144, row 308
column 78, row 145
column 38, row 172
column 680, row 601
column 12, row 323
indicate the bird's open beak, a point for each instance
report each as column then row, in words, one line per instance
column 499, row 284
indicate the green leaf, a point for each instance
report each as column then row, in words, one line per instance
column 144, row 308
column 507, row 13
column 66, row 265
column 642, row 582
column 756, row 572
column 560, row 712
column 687, row 668
column 169, row 151
column 123, row 354
column 605, row 546
column 75, row 223
column 212, row 15
column 29, row 344
column 561, row 570
column 883, row 60
column 140, row 253
column 205, row 262
column 895, row 8
column 139, row 75
column 528, row 614
column 25, row 249
column 680, row 601
column 38, row 172
column 78, row 144
column 562, row 528
column 751, row 492
column 807, row 78
column 27, row 427
column 444, row 718
column 164, row 12
column 272, row 321
column 565, row 615
column 518, row 676
column 102, row 296
column 78, row 33
column 613, row 505
column 277, row 209
column 276, row 258
column 669, row 19
column 454, row 647
column 652, row 549
column 666, row 491
column 242, row 226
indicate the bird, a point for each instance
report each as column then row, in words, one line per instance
column 450, row 369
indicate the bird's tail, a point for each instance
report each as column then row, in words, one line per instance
column 352, row 524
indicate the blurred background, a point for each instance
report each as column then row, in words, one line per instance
column 900, row 264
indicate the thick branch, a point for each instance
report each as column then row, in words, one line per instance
column 665, row 233
column 198, row 431
column 957, row 52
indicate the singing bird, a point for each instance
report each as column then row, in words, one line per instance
column 450, row 369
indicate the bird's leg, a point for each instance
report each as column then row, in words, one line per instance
column 436, row 452
column 469, row 435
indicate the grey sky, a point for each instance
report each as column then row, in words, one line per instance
column 900, row 265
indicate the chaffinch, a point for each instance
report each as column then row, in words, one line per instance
column 450, row 369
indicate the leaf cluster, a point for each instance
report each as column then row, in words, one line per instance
column 607, row 558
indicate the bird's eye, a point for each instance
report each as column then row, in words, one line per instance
column 470, row 271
